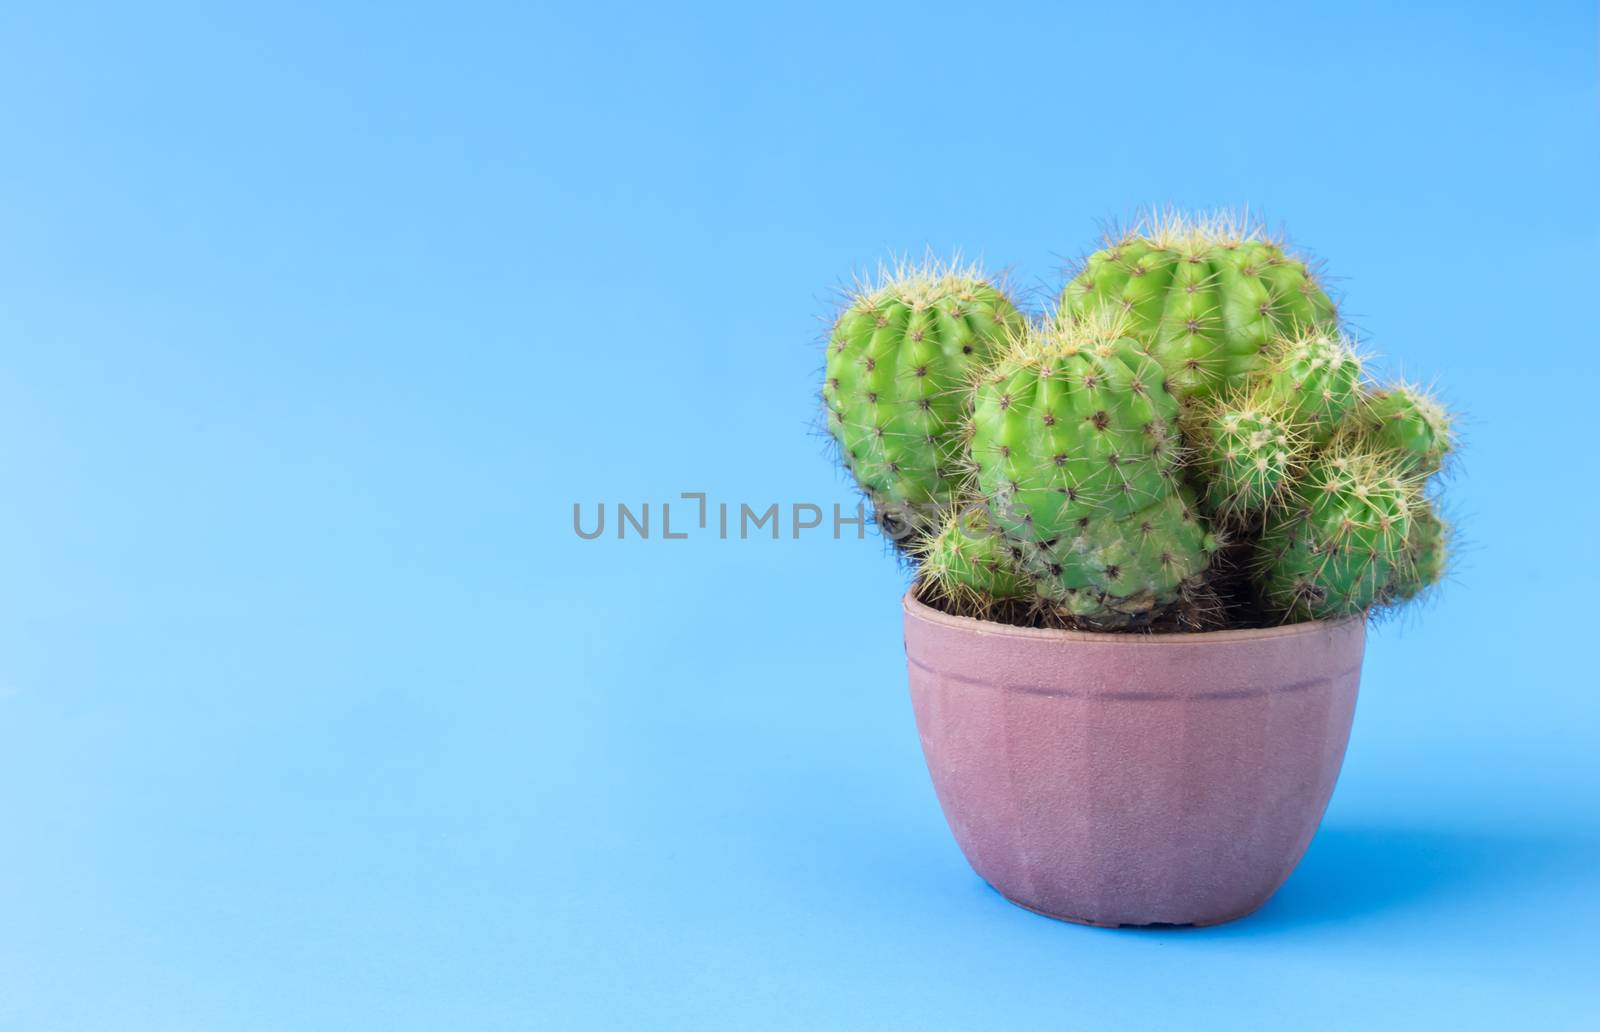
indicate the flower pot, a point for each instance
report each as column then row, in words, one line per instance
column 1126, row 779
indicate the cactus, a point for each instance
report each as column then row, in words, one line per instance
column 1075, row 449
column 1427, row 552
column 900, row 359
column 1250, row 441
column 1315, row 379
column 1244, row 451
column 1188, row 442
column 969, row 564
column 1341, row 541
column 1411, row 425
column 1203, row 295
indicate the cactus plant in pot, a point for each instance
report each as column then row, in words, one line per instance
column 1148, row 529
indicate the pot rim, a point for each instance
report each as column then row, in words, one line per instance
column 972, row 625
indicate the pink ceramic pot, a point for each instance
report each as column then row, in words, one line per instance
column 1120, row 779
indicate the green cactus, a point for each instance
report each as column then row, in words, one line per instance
column 1205, row 296
column 1244, row 449
column 1428, row 553
column 1409, row 424
column 1340, row 541
column 1141, row 564
column 1075, row 449
column 1188, row 442
column 1315, row 379
column 901, row 359
column 970, row 565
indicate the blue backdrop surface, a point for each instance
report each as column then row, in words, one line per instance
column 318, row 319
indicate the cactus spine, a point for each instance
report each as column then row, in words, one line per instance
column 1410, row 425
column 1314, row 379
column 1245, row 448
column 1193, row 390
column 968, row 564
column 900, row 360
column 1075, row 446
column 1340, row 541
column 1203, row 295
column 1427, row 553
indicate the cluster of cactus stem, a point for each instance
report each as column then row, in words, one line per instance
column 1188, row 440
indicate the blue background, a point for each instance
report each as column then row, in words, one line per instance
column 316, row 714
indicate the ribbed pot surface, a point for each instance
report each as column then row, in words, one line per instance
column 1121, row 779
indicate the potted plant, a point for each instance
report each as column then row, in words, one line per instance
column 1148, row 529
